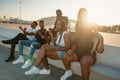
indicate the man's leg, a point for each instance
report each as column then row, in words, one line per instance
column 21, row 44
column 86, row 62
column 18, row 37
column 11, row 57
column 34, row 45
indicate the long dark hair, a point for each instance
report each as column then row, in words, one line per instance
column 79, row 19
column 63, row 27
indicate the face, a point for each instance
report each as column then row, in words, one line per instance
column 33, row 25
column 41, row 24
column 59, row 13
column 82, row 15
column 58, row 25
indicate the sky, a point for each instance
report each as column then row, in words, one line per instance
column 102, row 12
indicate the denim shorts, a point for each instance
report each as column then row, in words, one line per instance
column 60, row 53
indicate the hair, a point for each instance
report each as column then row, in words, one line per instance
column 78, row 17
column 63, row 24
column 41, row 21
column 58, row 10
column 35, row 22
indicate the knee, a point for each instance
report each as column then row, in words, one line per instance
column 43, row 47
column 20, row 34
column 65, row 57
column 84, row 62
column 20, row 41
column 32, row 45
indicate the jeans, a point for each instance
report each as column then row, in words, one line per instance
column 30, row 43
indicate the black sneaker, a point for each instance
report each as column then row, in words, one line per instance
column 6, row 41
column 9, row 59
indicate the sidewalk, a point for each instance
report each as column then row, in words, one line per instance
column 8, row 71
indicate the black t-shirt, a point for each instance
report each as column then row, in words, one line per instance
column 40, row 38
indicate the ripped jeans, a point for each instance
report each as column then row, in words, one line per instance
column 29, row 43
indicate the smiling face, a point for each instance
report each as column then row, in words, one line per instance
column 59, row 13
column 33, row 24
column 41, row 24
column 60, row 25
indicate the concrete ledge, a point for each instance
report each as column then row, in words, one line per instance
column 106, row 68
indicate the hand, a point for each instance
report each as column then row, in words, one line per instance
column 50, row 33
column 20, row 27
column 70, row 52
column 39, row 32
column 25, row 29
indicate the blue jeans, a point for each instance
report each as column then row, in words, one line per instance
column 30, row 43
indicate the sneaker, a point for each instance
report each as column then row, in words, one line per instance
column 19, row 60
column 44, row 71
column 27, row 64
column 66, row 75
column 33, row 70
column 6, row 42
column 9, row 59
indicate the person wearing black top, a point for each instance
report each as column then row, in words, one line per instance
column 35, row 44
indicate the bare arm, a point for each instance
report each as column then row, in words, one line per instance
column 100, row 46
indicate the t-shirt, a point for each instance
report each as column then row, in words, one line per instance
column 31, row 37
column 41, row 38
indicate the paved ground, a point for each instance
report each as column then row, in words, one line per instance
column 8, row 71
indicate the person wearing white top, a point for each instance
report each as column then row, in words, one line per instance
column 33, row 44
column 26, row 35
column 54, row 51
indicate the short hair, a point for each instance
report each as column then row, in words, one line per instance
column 35, row 22
column 58, row 10
column 41, row 21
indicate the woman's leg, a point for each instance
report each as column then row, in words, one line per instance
column 42, row 58
column 43, row 54
column 67, row 59
column 86, row 62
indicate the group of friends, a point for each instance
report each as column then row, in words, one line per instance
column 59, row 44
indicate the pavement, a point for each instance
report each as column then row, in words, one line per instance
column 8, row 71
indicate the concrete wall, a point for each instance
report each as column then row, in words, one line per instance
column 108, row 63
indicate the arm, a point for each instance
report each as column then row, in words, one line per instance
column 26, row 32
column 100, row 46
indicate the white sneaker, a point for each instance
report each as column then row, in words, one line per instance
column 66, row 75
column 44, row 71
column 33, row 70
column 19, row 60
column 27, row 64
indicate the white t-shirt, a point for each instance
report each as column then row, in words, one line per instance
column 61, row 42
column 31, row 37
